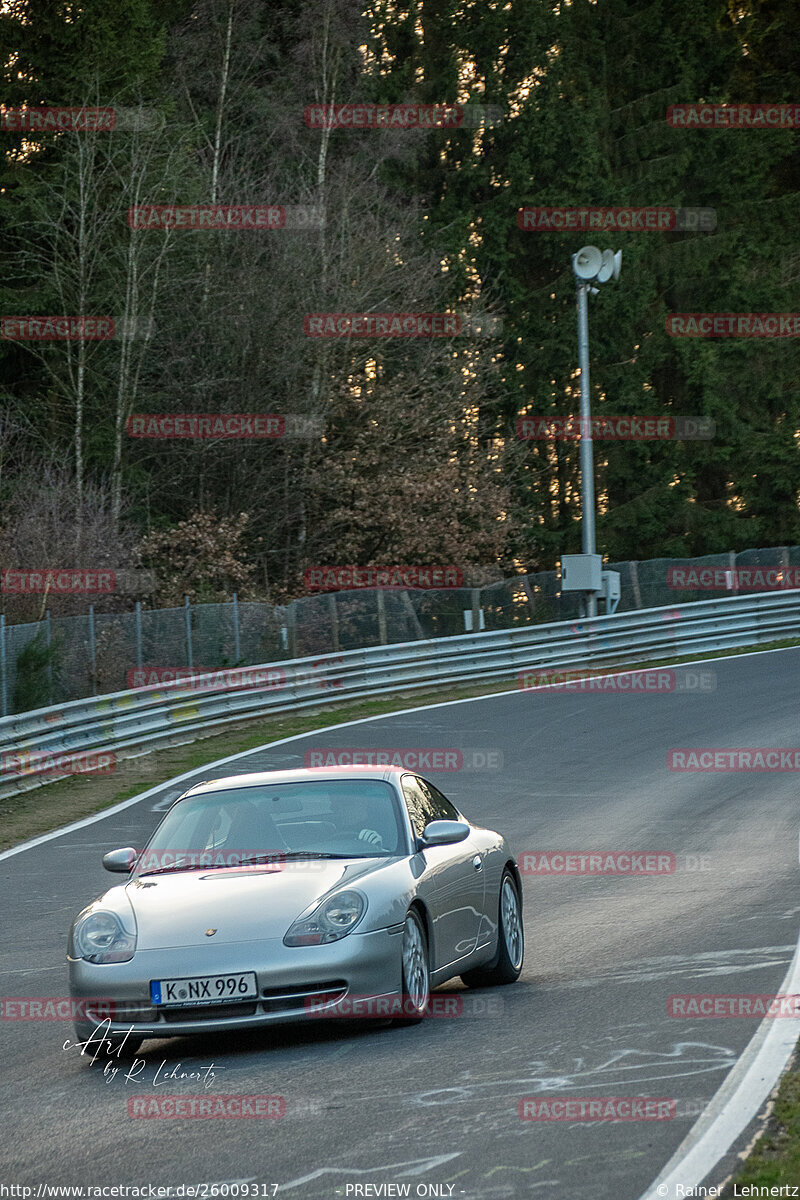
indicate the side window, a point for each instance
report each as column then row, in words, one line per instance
column 418, row 803
column 440, row 806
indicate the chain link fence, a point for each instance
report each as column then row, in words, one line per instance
column 70, row 658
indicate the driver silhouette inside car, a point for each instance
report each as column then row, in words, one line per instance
column 355, row 818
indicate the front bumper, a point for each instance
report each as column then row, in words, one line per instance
column 294, row 984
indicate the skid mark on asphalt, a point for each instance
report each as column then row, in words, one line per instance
column 629, row 1066
column 613, row 1159
column 704, row 965
column 789, row 914
column 561, row 1069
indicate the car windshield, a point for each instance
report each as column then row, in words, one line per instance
column 268, row 824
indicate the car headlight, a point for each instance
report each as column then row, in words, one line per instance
column 329, row 921
column 100, row 937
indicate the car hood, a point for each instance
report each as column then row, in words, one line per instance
column 241, row 905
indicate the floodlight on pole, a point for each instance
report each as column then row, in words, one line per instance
column 589, row 265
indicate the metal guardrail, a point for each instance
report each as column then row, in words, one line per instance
column 131, row 721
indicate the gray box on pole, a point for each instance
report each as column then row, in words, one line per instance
column 581, row 572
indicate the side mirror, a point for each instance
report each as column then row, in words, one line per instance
column 120, row 861
column 445, row 833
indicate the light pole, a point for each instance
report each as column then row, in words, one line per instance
column 588, row 265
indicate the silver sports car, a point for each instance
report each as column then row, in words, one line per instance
column 292, row 895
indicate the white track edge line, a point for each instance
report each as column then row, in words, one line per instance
column 735, row 1103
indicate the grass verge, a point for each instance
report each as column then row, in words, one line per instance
column 774, row 1161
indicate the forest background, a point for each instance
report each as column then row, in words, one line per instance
column 413, row 455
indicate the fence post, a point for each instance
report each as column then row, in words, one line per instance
column 476, row 610
column 92, row 650
column 291, row 629
column 419, row 632
column 530, row 592
column 381, row 615
column 637, row 593
column 188, row 611
column 3, row 677
column 334, row 620
column 49, row 638
column 732, row 565
column 139, row 634
column 237, row 647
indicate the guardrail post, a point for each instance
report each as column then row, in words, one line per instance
column 3, row 676
column 334, row 621
column 139, row 634
column 92, row 651
column 188, row 611
column 381, row 615
column 237, row 647
column 49, row 637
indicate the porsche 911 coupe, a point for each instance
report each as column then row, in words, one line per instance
column 293, row 895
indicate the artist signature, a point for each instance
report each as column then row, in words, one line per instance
column 98, row 1045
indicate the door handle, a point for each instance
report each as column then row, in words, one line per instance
column 477, row 862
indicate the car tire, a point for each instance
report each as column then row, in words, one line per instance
column 415, row 971
column 507, row 963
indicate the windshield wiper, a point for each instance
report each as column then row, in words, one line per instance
column 184, row 866
column 188, row 865
column 283, row 855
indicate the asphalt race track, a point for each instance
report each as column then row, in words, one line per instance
column 435, row 1106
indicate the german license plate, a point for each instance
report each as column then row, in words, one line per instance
column 204, row 989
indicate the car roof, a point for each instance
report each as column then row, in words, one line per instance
column 300, row 775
